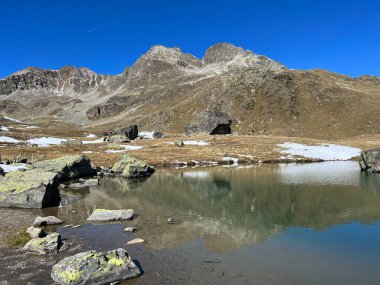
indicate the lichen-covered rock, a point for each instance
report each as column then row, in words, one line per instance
column 35, row 232
column 68, row 167
column 117, row 139
column 370, row 160
column 46, row 245
column 211, row 123
column 130, row 167
column 34, row 188
column 111, row 215
column 45, row 221
column 95, row 268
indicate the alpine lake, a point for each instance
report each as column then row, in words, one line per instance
column 316, row 223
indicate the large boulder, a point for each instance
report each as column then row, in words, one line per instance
column 46, row 245
column 95, row 268
column 131, row 132
column 370, row 160
column 111, row 215
column 211, row 123
column 118, row 139
column 34, row 188
column 68, row 167
column 130, row 167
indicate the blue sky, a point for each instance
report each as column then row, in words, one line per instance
column 107, row 35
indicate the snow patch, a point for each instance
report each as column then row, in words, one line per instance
column 324, row 151
column 233, row 159
column 101, row 140
column 12, row 168
column 90, row 136
column 46, row 141
column 13, row 120
column 4, row 129
column 146, row 134
column 131, row 147
column 8, row 140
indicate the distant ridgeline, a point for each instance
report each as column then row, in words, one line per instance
column 170, row 91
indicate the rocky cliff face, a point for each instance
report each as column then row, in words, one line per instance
column 165, row 90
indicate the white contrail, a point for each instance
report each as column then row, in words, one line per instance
column 97, row 28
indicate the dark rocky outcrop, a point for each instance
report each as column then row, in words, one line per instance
column 130, row 167
column 370, row 160
column 131, row 132
column 212, row 123
column 95, row 268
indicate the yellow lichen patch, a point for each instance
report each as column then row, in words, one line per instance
column 71, row 275
column 116, row 261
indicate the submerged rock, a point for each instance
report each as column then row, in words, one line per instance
column 68, row 167
column 46, row 245
column 45, row 221
column 85, row 183
column 111, row 215
column 34, row 188
column 211, row 123
column 35, row 232
column 130, row 167
column 370, row 160
column 95, row 268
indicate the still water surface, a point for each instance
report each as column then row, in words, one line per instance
column 268, row 224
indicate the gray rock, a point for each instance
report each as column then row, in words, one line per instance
column 111, row 215
column 95, row 268
column 118, row 139
column 2, row 172
column 179, row 143
column 44, row 221
column 34, row 188
column 136, row 241
column 370, row 160
column 68, row 167
column 130, row 229
column 130, row 167
column 35, row 232
column 212, row 123
column 46, row 245
column 158, row 135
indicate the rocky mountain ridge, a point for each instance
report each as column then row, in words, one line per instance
column 165, row 89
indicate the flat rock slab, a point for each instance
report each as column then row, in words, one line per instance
column 44, row 221
column 111, row 215
column 95, row 268
column 46, row 245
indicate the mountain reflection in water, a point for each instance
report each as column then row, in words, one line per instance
column 229, row 208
